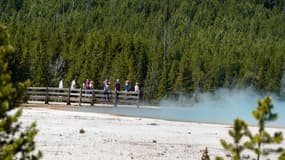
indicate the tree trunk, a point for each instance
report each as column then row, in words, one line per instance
column 164, row 46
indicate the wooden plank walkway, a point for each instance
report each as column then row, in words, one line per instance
column 90, row 96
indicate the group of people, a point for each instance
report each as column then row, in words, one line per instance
column 89, row 84
column 117, row 86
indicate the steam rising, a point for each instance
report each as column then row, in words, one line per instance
column 223, row 105
column 220, row 106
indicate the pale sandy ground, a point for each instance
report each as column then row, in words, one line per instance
column 110, row 137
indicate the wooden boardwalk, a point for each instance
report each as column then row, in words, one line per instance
column 80, row 96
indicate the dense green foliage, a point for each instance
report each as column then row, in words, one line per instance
column 167, row 46
column 244, row 139
column 16, row 142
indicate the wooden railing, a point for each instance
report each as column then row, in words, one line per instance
column 67, row 95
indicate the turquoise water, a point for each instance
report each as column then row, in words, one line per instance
column 222, row 106
column 197, row 114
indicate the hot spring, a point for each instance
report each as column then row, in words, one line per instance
column 222, row 106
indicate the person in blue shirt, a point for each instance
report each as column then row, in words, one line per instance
column 128, row 86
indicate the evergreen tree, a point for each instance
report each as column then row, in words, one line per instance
column 205, row 155
column 256, row 142
column 263, row 114
column 16, row 142
column 239, row 131
column 163, row 84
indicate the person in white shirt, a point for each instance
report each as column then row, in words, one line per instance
column 60, row 84
column 73, row 84
column 106, row 84
column 137, row 88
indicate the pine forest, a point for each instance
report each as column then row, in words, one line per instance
column 168, row 46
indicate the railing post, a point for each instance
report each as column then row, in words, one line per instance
column 68, row 97
column 93, row 98
column 46, row 98
column 80, row 97
column 26, row 98
column 138, row 102
column 116, row 99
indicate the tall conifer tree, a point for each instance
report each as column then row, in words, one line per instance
column 16, row 142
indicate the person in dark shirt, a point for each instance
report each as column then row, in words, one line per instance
column 117, row 85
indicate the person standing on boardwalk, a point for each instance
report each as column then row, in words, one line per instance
column 137, row 91
column 137, row 88
column 73, row 84
column 117, row 85
column 117, row 89
column 87, row 81
column 106, row 89
column 128, row 86
column 91, row 84
column 60, row 85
